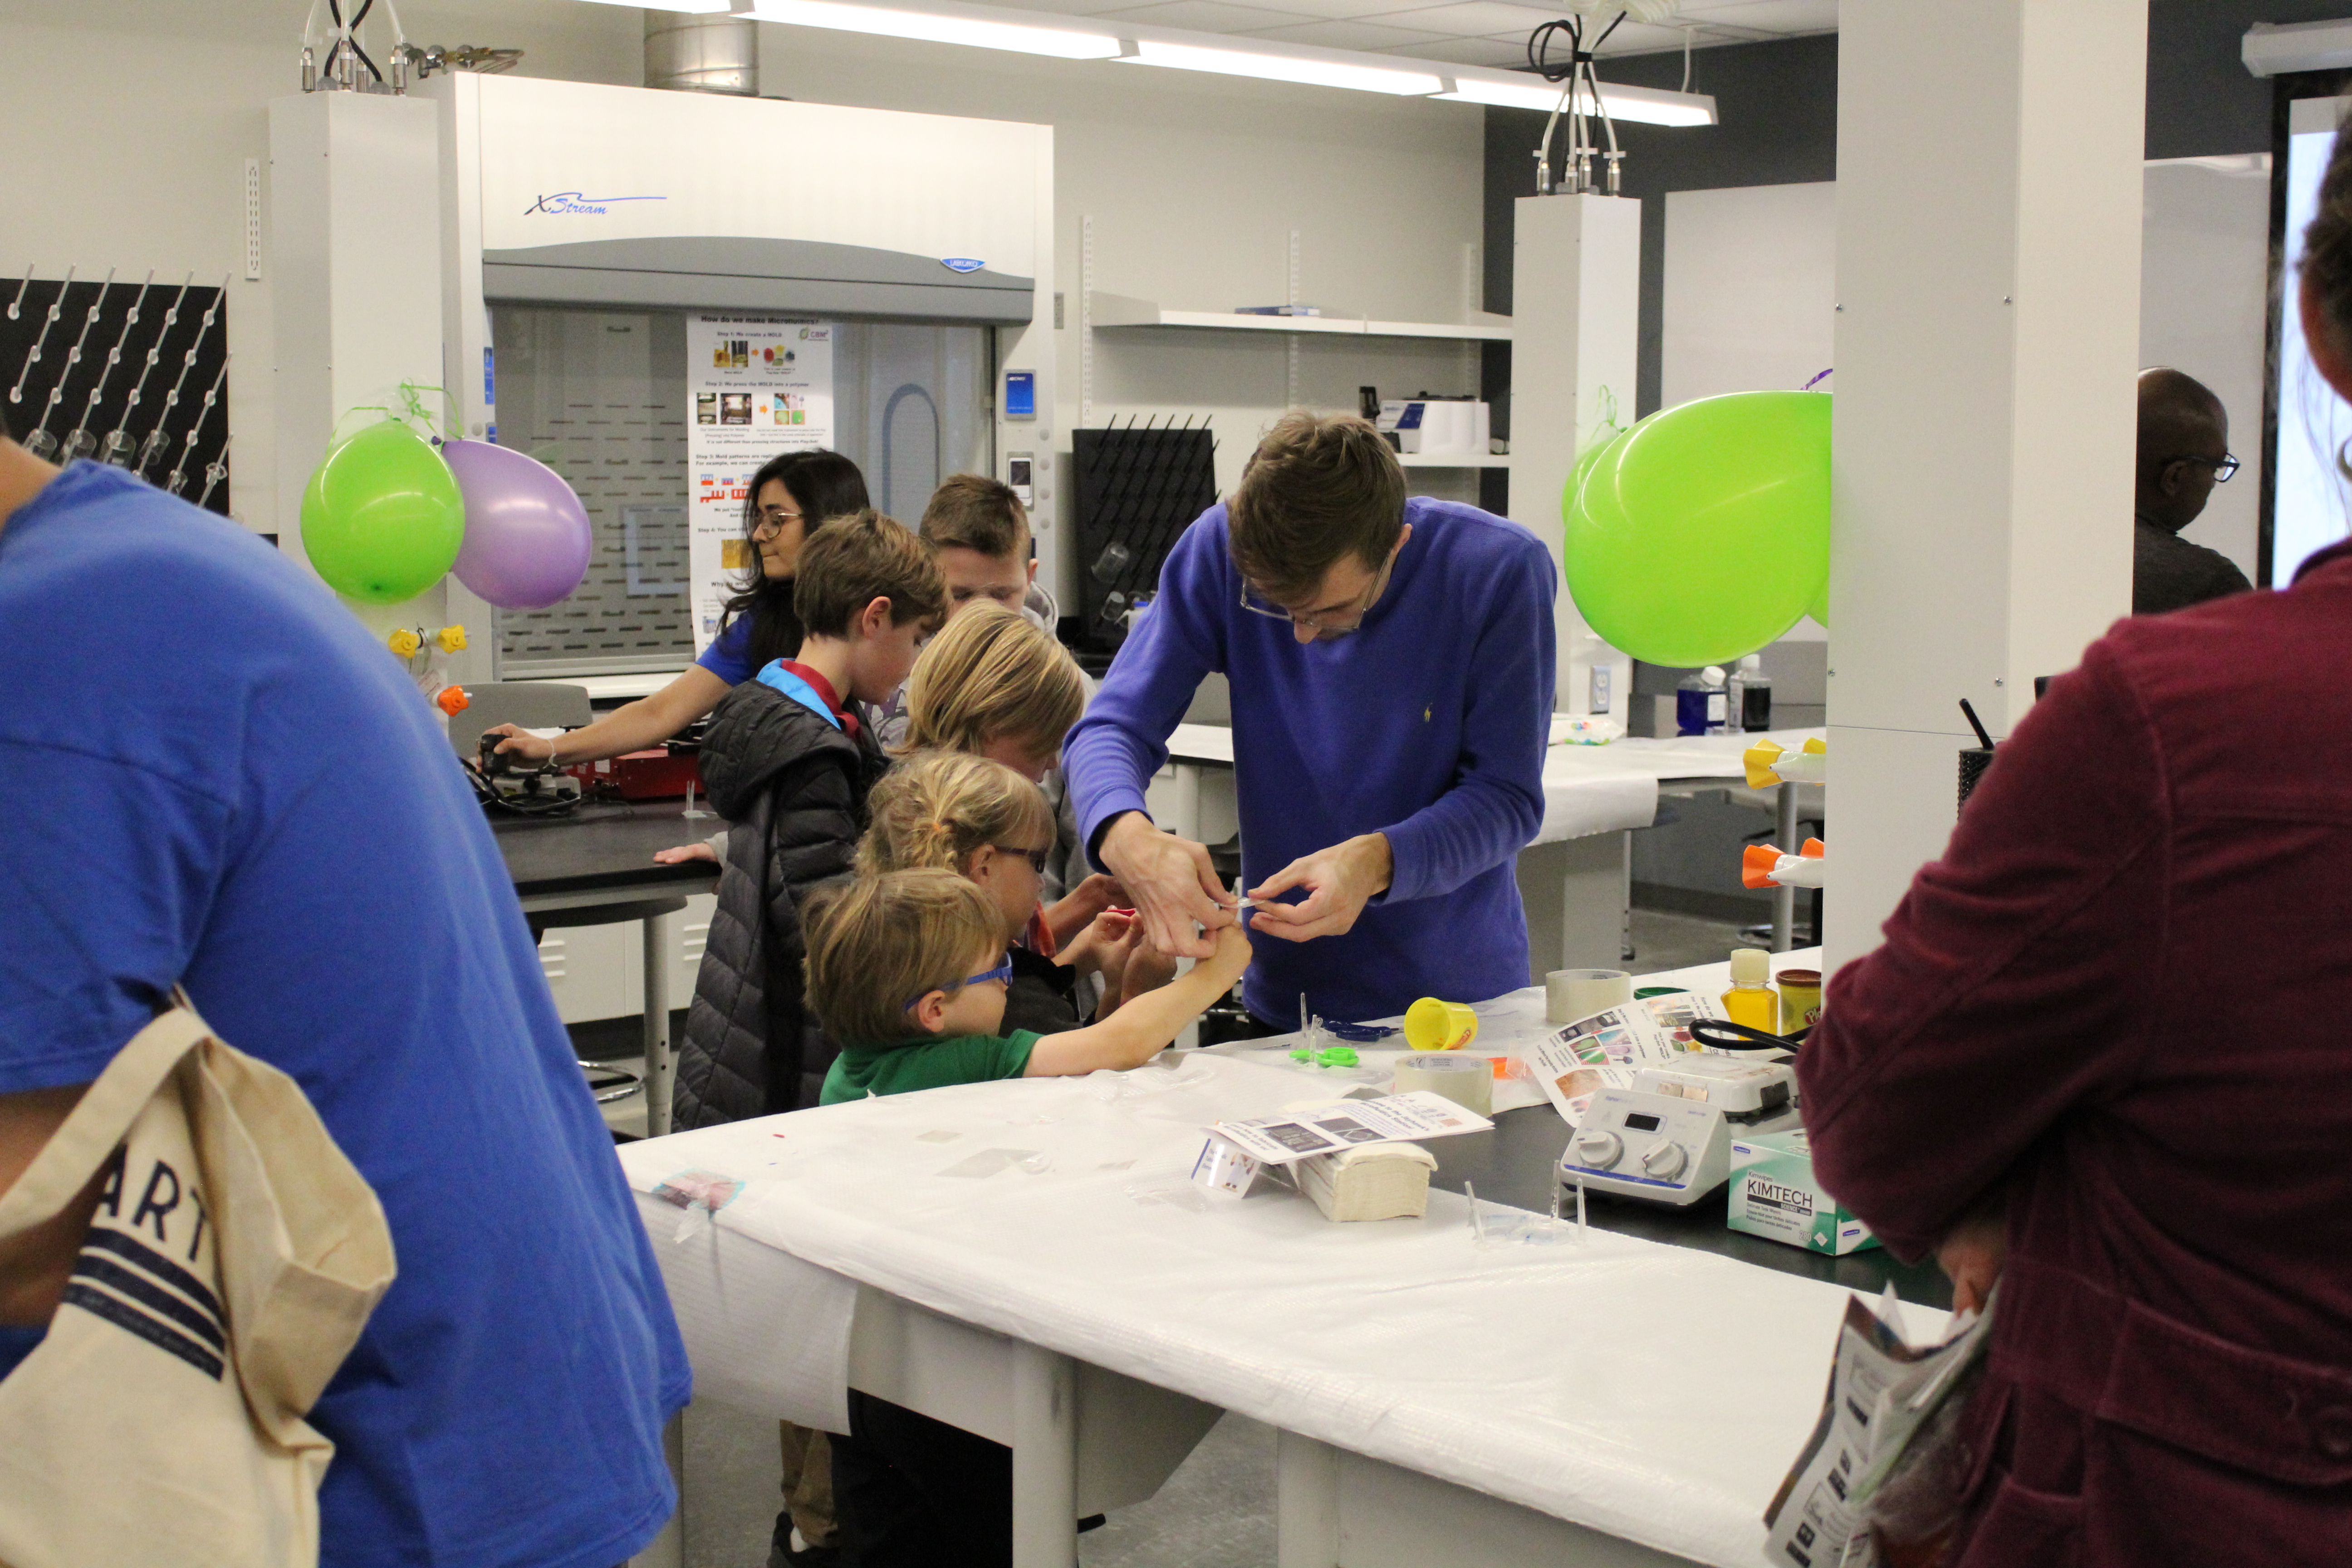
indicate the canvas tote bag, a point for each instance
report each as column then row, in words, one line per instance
column 234, row 1258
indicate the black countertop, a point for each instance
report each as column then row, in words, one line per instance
column 600, row 847
column 1514, row 1164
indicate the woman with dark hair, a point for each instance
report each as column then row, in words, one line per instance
column 792, row 496
column 2013, row 1083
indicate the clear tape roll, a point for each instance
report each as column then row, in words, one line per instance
column 1467, row 1081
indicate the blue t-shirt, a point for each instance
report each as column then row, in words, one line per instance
column 211, row 774
column 728, row 656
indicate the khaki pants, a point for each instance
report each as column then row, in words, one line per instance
column 808, row 1481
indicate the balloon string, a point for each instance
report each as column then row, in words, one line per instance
column 443, row 423
column 411, row 410
column 1605, row 428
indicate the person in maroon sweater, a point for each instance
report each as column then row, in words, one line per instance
column 2105, row 1057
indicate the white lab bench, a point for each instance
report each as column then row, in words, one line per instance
column 1576, row 875
column 1438, row 1400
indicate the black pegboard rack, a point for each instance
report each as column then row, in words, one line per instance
column 155, row 355
column 1140, row 487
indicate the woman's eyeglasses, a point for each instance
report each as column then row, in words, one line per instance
column 772, row 522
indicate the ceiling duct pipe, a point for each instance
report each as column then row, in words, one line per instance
column 702, row 53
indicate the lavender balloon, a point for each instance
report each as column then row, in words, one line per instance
column 526, row 536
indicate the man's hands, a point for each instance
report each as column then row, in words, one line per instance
column 700, row 849
column 1971, row 1255
column 1173, row 884
column 1338, row 882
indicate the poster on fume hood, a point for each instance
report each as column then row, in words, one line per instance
column 755, row 386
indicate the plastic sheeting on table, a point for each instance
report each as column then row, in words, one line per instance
column 1650, row 1392
column 1605, row 789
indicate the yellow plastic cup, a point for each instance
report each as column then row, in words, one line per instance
column 1431, row 1025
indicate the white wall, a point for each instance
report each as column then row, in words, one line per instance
column 2203, row 307
column 1195, row 184
column 131, row 124
column 1751, row 281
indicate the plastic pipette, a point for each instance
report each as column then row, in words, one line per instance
column 151, row 450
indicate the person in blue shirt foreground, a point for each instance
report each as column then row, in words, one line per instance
column 1391, row 665
column 222, row 781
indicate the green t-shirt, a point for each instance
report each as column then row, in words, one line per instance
column 861, row 1070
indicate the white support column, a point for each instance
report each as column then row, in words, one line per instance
column 1306, row 1503
column 1576, row 296
column 1988, row 225
column 1045, row 1458
column 355, row 250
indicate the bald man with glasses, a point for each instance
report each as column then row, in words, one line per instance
column 1391, row 661
column 2184, row 452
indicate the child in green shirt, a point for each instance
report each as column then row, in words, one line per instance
column 908, row 970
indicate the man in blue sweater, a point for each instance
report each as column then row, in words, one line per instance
column 1390, row 663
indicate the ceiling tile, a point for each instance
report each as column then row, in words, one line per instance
column 1471, row 19
column 1767, row 15
column 1065, row 7
column 1204, row 15
column 1347, row 35
column 1498, row 52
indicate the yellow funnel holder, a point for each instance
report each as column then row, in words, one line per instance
column 1431, row 1025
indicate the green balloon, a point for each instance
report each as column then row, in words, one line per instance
column 382, row 517
column 1820, row 609
column 1704, row 534
column 1591, row 458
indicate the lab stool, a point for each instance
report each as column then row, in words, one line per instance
column 616, row 1084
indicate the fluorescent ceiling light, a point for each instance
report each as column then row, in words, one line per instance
column 1634, row 105
column 690, row 7
column 2269, row 50
column 1284, row 68
column 1057, row 42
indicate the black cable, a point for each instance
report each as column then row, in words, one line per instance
column 1539, row 45
column 488, row 794
column 1723, row 1035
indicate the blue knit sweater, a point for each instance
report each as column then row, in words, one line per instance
column 1428, row 725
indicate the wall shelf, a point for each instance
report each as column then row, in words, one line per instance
column 1449, row 460
column 1122, row 311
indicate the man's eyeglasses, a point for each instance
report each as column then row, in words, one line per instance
column 1036, row 857
column 1003, row 972
column 1323, row 624
column 2222, row 465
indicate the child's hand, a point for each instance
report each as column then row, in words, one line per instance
column 1232, row 956
column 1148, row 968
column 1103, row 946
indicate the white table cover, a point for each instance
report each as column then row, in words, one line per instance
column 1651, row 1392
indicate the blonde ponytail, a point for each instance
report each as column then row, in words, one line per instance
column 936, row 808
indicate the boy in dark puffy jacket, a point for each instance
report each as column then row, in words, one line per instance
column 788, row 764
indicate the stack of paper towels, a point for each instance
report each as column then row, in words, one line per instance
column 1371, row 1180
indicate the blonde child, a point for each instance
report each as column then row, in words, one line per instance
column 993, row 685
column 908, row 970
column 949, row 812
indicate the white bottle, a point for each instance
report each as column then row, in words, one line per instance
column 1718, row 703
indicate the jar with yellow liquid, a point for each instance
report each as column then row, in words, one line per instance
column 1750, row 1000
